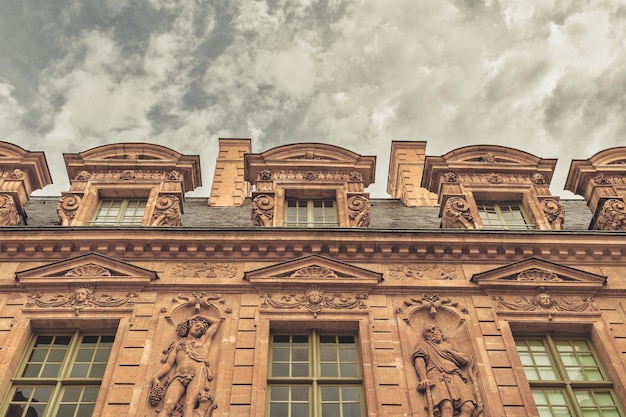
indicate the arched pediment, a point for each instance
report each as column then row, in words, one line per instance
column 310, row 151
column 491, row 154
column 314, row 269
column 535, row 273
column 92, row 268
column 612, row 156
column 132, row 150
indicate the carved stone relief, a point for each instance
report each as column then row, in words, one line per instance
column 88, row 270
column 359, row 208
column 496, row 178
column 8, row 211
column 315, row 300
column 318, row 175
column 419, row 271
column 67, row 207
column 80, row 298
column 181, row 386
column 263, row 210
column 554, row 211
column 457, row 215
column 602, row 179
column 447, row 378
column 205, row 270
column 542, row 301
column 167, row 211
column 129, row 174
column 612, row 215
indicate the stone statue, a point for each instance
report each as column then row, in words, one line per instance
column 186, row 367
column 439, row 368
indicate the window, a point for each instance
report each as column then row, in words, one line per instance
column 314, row 374
column 60, row 375
column 119, row 212
column 310, row 213
column 566, row 378
column 503, row 215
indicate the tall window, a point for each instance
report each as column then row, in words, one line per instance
column 310, row 213
column 119, row 212
column 59, row 375
column 503, row 215
column 314, row 374
column 566, row 378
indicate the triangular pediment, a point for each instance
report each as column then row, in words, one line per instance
column 91, row 268
column 535, row 272
column 314, row 269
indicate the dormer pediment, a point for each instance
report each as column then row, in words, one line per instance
column 314, row 269
column 92, row 268
column 534, row 273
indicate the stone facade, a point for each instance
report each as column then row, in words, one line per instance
column 192, row 311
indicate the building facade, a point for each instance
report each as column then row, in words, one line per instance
column 471, row 291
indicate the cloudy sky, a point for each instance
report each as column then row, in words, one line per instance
column 544, row 76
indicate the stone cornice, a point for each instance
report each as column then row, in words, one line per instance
column 180, row 243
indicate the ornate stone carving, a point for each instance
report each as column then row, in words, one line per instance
column 314, row 300
column 311, row 175
column 359, row 208
column 538, row 179
column 492, row 178
column 446, row 375
column 315, row 272
column 542, row 301
column 128, row 174
column 536, row 274
column 488, row 157
column 355, row 176
column 8, row 211
column 83, row 176
column 204, row 270
column 432, row 302
column 167, row 211
column 265, row 175
column 142, row 175
column 418, row 271
column 554, row 211
column 16, row 174
column 67, row 207
column 263, row 210
column 457, row 215
column 89, row 270
column 174, row 175
column 450, row 177
column 80, row 298
column 612, row 215
column 603, row 179
column 181, row 385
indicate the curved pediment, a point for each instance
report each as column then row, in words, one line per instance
column 311, row 152
column 314, row 269
column 491, row 154
column 612, row 156
column 132, row 150
column 535, row 273
column 92, row 268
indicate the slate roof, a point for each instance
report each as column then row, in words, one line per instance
column 387, row 214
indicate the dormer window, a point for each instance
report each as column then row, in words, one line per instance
column 504, row 215
column 119, row 212
column 310, row 185
column 310, row 213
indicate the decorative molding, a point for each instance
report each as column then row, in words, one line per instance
column 167, row 211
column 314, row 272
column 612, row 215
column 432, row 302
column 554, row 211
column 456, row 214
column 132, row 174
column 81, row 297
column 9, row 215
column 496, row 178
column 263, row 210
column 16, row 174
column 359, row 210
column 205, row 270
column 421, row 271
column 67, row 207
column 603, row 179
column 83, row 176
column 537, row 274
column 318, row 176
column 314, row 300
column 542, row 301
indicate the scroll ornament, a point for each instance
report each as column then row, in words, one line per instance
column 8, row 211
column 80, row 298
column 360, row 208
column 612, row 216
column 554, row 211
column 457, row 215
column 542, row 301
column 167, row 211
column 67, row 208
column 263, row 210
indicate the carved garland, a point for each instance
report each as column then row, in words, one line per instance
column 80, row 298
column 542, row 301
column 314, row 300
column 439, row 272
column 204, row 270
